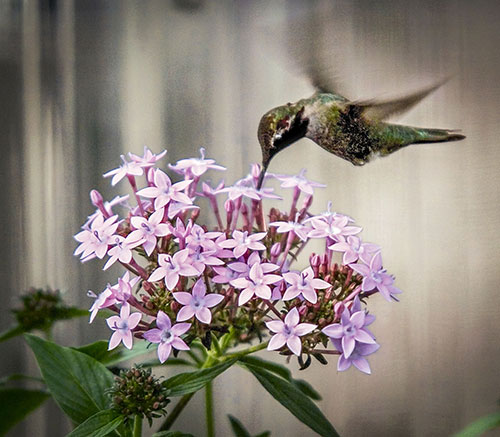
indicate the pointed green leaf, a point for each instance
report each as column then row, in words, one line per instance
column 171, row 434
column 285, row 373
column 99, row 351
column 294, row 401
column 306, row 388
column 98, row 425
column 190, row 382
column 480, row 426
column 238, row 429
column 11, row 333
column 16, row 404
column 279, row 369
column 77, row 382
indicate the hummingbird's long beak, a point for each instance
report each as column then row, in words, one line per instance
column 265, row 164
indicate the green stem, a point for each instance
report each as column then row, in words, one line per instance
column 247, row 351
column 137, row 426
column 209, row 410
column 175, row 412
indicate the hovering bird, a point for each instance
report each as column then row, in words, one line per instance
column 352, row 130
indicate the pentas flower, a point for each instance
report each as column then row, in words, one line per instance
column 357, row 356
column 350, row 330
column 304, row 284
column 195, row 166
column 167, row 336
column 246, row 188
column 354, row 249
column 107, row 207
column 149, row 229
column 289, row 332
column 95, row 240
column 101, row 301
column 122, row 291
column 335, row 229
column 376, row 277
column 242, row 241
column 200, row 258
column 172, row 267
column 123, row 326
column 257, row 284
column 163, row 191
column 297, row 228
column 197, row 303
column 126, row 169
column 299, row 181
column 199, row 237
column 149, row 159
column 122, row 250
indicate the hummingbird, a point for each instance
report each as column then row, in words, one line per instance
column 352, row 130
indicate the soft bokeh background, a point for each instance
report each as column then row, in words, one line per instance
column 83, row 81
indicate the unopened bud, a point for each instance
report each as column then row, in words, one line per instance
column 96, row 198
column 276, row 250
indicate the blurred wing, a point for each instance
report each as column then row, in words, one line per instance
column 380, row 110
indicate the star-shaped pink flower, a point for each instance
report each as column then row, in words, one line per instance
column 257, row 284
column 172, row 267
column 149, row 159
column 126, row 169
column 198, row 303
column 123, row 326
column 163, row 191
column 195, row 166
column 299, row 181
column 242, row 241
column 303, row 283
column 149, row 229
column 167, row 336
column 354, row 249
column 289, row 331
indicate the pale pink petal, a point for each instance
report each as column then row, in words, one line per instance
column 310, row 295
column 362, row 364
column 334, row 331
column 294, row 344
column 263, row 291
column 115, row 340
column 163, row 321
column 245, row 296
column 213, row 299
column 292, row 318
column 204, row 315
column 134, row 320
column 183, row 297
column 179, row 344
column 164, row 351
column 304, row 328
column 291, row 293
column 277, row 341
column 275, row 325
column 171, row 280
column 343, row 364
column 158, row 274
column 363, row 337
column 185, row 313
column 128, row 339
column 348, row 344
column 153, row 335
column 180, row 328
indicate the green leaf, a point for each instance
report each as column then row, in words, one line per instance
column 279, row 369
column 171, row 434
column 11, row 333
column 480, row 426
column 306, row 388
column 190, row 382
column 285, row 373
column 99, row 351
column 98, row 425
column 238, row 429
column 294, row 401
column 77, row 382
column 16, row 404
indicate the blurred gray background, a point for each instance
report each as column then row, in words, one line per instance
column 83, row 81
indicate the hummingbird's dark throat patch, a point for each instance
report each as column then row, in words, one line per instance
column 296, row 131
column 357, row 138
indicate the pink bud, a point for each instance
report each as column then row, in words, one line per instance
column 151, row 176
column 275, row 249
column 229, row 206
column 96, row 198
column 303, row 310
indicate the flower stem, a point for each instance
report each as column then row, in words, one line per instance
column 174, row 414
column 137, row 426
column 209, row 410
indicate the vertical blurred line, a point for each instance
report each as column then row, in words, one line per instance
column 33, row 195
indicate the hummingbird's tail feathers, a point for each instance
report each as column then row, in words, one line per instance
column 380, row 110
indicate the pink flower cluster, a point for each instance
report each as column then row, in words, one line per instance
column 185, row 279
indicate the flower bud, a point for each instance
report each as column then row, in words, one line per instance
column 96, row 198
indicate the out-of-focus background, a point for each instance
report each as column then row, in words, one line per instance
column 82, row 82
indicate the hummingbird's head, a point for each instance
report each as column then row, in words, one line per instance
column 280, row 127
